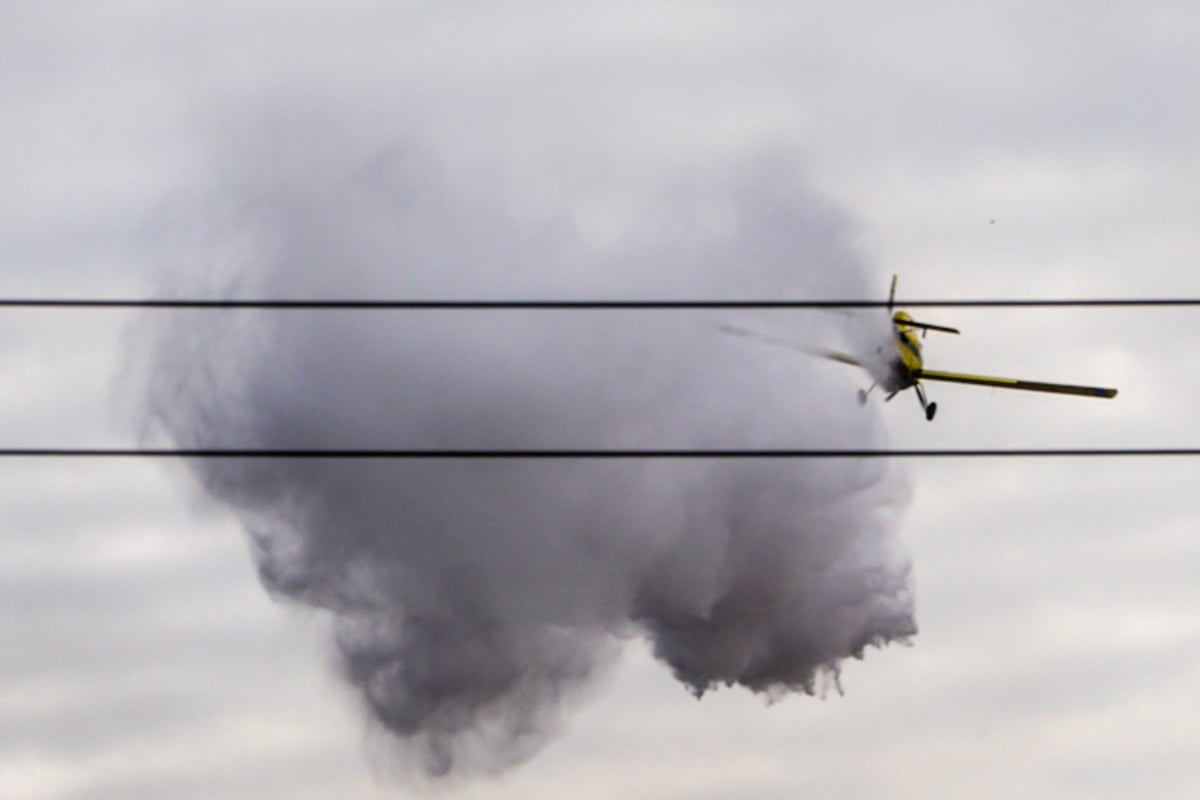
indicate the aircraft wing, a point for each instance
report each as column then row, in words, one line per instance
column 833, row 355
column 765, row 338
column 1013, row 383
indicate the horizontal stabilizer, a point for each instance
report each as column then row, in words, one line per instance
column 928, row 326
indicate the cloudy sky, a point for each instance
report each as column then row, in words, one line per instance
column 1011, row 149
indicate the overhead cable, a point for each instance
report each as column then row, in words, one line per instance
column 589, row 453
column 283, row 304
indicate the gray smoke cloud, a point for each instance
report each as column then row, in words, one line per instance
column 471, row 600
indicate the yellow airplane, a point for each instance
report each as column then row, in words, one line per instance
column 907, row 368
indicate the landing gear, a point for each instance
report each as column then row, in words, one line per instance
column 930, row 408
column 862, row 394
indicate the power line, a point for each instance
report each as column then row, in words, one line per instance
column 588, row 453
column 567, row 305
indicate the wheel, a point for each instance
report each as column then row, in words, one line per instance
column 930, row 410
column 862, row 397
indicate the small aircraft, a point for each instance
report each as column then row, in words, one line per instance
column 907, row 368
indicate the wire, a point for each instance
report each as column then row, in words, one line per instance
column 567, row 305
column 589, row 454
column 577, row 454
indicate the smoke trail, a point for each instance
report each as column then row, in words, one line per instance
column 472, row 599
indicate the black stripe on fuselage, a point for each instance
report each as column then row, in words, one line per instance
column 909, row 343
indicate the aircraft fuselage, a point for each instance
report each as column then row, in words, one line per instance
column 907, row 363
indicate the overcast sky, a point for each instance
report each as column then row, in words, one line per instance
column 1047, row 149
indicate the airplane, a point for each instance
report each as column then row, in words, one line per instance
column 906, row 368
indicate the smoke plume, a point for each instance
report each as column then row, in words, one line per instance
column 472, row 599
